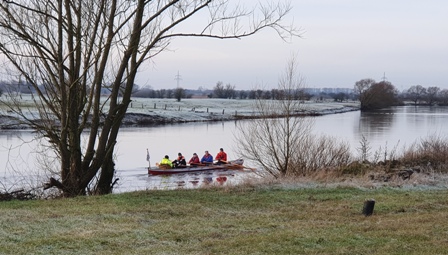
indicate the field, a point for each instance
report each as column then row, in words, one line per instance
column 249, row 219
column 158, row 111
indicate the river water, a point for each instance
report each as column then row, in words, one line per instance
column 395, row 127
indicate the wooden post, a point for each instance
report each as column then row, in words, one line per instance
column 207, row 110
column 223, row 111
column 369, row 204
column 154, row 105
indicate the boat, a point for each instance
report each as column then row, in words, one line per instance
column 231, row 165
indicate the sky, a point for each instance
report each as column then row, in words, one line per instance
column 343, row 41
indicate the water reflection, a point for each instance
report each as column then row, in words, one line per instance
column 374, row 124
column 425, row 118
column 132, row 180
column 402, row 125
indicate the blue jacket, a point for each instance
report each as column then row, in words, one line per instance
column 207, row 159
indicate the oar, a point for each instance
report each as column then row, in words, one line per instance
column 234, row 166
column 250, row 168
column 200, row 164
column 231, row 165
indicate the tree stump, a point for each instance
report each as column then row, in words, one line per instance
column 369, row 204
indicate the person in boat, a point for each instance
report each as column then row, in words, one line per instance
column 194, row 161
column 166, row 162
column 221, row 157
column 207, row 158
column 179, row 161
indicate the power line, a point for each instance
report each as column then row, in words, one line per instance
column 178, row 78
column 384, row 76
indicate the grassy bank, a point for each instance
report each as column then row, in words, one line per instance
column 230, row 221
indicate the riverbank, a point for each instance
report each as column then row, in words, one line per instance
column 242, row 220
column 156, row 111
column 144, row 111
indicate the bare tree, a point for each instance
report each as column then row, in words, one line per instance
column 230, row 91
column 274, row 140
column 219, row 90
column 443, row 97
column 69, row 50
column 432, row 94
column 361, row 88
column 416, row 93
column 179, row 93
column 364, row 149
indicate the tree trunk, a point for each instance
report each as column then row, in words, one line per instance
column 104, row 185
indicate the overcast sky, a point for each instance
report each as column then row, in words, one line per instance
column 343, row 41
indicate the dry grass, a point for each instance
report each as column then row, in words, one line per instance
column 327, row 161
column 431, row 152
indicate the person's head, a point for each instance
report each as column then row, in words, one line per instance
column 195, row 155
column 221, row 149
column 179, row 154
column 166, row 156
column 206, row 152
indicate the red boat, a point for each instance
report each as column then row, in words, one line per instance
column 231, row 165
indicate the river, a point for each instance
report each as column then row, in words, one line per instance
column 390, row 128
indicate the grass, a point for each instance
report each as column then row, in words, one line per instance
column 241, row 220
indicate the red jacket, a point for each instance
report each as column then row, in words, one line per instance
column 222, row 156
column 194, row 160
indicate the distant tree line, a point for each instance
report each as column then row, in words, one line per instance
column 371, row 94
column 376, row 95
column 16, row 87
column 161, row 93
column 220, row 90
column 420, row 95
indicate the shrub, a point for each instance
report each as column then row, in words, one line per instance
column 320, row 154
column 431, row 151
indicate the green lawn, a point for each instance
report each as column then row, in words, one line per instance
column 241, row 220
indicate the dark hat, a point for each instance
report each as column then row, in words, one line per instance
column 221, row 149
column 195, row 153
column 166, row 156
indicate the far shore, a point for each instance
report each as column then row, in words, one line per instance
column 147, row 112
